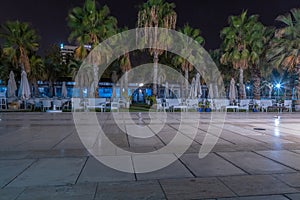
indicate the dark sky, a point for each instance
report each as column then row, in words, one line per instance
column 210, row 16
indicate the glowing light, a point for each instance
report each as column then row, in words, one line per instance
column 248, row 87
column 277, row 122
column 278, row 85
column 61, row 45
column 276, row 129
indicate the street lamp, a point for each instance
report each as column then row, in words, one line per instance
column 278, row 86
column 248, row 89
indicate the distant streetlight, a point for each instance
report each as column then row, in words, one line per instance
column 248, row 89
column 278, row 86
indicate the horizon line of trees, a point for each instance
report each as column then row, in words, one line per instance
column 249, row 50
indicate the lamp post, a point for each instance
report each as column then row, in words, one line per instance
column 278, row 85
column 248, row 89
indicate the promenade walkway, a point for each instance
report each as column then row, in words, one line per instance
column 257, row 156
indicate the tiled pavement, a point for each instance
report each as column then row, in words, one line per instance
column 42, row 157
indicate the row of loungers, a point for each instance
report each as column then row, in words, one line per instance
column 223, row 105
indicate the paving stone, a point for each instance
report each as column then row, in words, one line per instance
column 68, row 192
column 71, row 142
column 211, row 165
column 292, row 179
column 10, row 193
column 130, row 190
column 54, row 141
column 256, row 185
column 95, row 171
column 288, row 158
column 297, row 151
column 9, row 169
column 268, row 197
column 51, row 171
column 195, row 188
column 175, row 170
column 295, row 196
column 254, row 164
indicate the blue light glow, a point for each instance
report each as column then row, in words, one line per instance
column 278, row 85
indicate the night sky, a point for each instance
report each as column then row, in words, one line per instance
column 48, row 17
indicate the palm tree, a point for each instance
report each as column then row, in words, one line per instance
column 53, row 66
column 125, row 65
column 258, row 45
column 236, row 38
column 5, row 67
column 19, row 41
column 186, row 66
column 156, row 13
column 89, row 26
column 285, row 47
column 37, row 72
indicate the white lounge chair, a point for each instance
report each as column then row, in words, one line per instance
column 76, row 104
column 114, row 106
column 244, row 104
column 57, row 104
column 287, row 104
column 46, row 104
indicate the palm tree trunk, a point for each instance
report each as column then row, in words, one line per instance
column 298, row 86
column 126, row 83
column 242, row 86
column 95, row 67
column 50, row 88
column 121, row 87
column 155, row 69
column 256, row 76
column 186, row 75
column 36, row 89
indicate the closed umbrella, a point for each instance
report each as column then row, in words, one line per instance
column 211, row 91
column 192, row 90
column 24, row 90
column 92, row 90
column 64, row 90
column 11, row 86
column 198, row 91
column 232, row 90
column 167, row 90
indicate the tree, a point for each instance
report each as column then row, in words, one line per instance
column 156, row 13
column 260, row 37
column 236, row 38
column 285, row 47
column 53, row 66
column 19, row 41
column 186, row 66
column 5, row 67
column 89, row 26
column 37, row 72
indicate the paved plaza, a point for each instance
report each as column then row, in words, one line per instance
column 257, row 156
